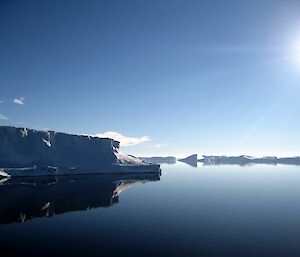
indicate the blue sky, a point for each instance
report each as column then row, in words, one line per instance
column 177, row 77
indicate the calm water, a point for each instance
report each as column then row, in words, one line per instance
column 204, row 211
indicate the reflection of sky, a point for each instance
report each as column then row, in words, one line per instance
column 212, row 210
column 242, row 209
column 205, row 77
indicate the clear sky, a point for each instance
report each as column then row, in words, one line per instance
column 178, row 77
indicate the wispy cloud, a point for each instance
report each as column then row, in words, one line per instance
column 20, row 101
column 156, row 145
column 241, row 49
column 1, row 101
column 124, row 140
column 3, row 117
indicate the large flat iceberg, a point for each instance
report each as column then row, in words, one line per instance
column 28, row 152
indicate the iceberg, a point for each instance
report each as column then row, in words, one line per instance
column 28, row 152
column 160, row 160
column 248, row 160
column 191, row 160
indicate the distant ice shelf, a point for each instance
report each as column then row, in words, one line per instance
column 160, row 160
column 247, row 160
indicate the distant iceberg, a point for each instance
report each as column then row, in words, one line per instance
column 28, row 152
column 246, row 160
column 191, row 160
column 160, row 160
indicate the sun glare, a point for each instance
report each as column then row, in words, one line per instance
column 297, row 50
column 295, row 54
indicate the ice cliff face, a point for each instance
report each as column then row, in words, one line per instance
column 22, row 147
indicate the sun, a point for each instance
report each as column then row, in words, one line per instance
column 294, row 54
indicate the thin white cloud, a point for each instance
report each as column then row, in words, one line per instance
column 156, row 145
column 241, row 49
column 1, row 101
column 124, row 140
column 20, row 101
column 3, row 117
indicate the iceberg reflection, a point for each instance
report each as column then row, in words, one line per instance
column 25, row 198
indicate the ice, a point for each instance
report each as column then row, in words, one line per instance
column 52, row 153
column 47, row 142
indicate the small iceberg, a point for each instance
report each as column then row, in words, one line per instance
column 191, row 160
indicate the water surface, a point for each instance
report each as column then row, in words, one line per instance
column 204, row 211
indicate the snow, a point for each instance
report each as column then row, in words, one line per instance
column 47, row 142
column 24, row 132
column 128, row 159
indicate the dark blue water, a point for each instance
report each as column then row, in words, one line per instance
column 204, row 211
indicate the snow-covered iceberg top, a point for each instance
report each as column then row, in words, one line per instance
column 31, row 152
